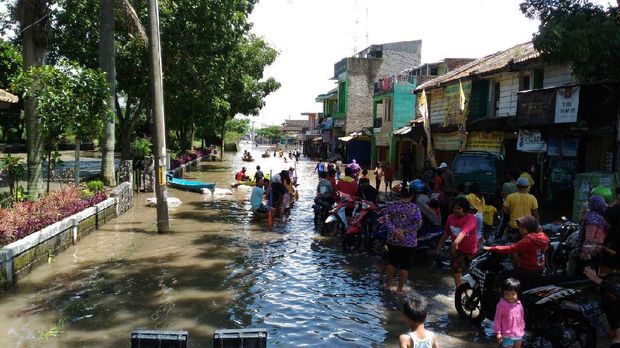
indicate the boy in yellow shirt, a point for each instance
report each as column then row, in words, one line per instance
column 488, row 220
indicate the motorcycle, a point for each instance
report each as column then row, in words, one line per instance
column 363, row 230
column 556, row 315
column 337, row 222
column 563, row 250
column 321, row 209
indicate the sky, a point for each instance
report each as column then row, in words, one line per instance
column 312, row 35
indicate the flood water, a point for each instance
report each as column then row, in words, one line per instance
column 221, row 268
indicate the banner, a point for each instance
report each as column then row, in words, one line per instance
column 531, row 141
column 423, row 108
column 567, row 104
column 565, row 147
column 447, row 141
column 485, row 141
column 456, row 99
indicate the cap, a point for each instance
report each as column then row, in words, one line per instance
column 443, row 165
column 523, row 182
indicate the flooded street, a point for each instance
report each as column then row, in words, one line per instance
column 221, row 268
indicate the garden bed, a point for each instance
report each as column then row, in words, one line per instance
column 21, row 256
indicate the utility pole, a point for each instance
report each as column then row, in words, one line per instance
column 157, row 94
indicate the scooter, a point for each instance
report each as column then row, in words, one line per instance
column 336, row 223
column 360, row 230
column 321, row 208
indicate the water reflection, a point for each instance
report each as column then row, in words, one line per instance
column 222, row 268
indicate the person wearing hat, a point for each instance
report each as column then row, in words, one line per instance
column 529, row 252
column 447, row 176
column 519, row 204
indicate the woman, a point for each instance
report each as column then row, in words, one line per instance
column 595, row 227
column 477, row 203
column 378, row 176
column 403, row 219
column 461, row 228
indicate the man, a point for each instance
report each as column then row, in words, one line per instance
column 348, row 185
column 240, row 176
column 447, row 176
column 320, row 167
column 366, row 191
column 278, row 190
column 324, row 189
column 519, row 204
column 258, row 177
column 256, row 199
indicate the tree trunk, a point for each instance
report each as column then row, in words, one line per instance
column 34, row 24
column 107, row 61
column 76, row 167
column 223, row 141
column 193, row 136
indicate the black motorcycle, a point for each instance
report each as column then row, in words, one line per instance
column 321, row 209
column 556, row 315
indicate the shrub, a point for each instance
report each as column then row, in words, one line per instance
column 95, row 185
column 28, row 217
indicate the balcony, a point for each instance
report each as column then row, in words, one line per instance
column 386, row 84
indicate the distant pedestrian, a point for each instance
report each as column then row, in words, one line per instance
column 509, row 322
column 415, row 311
column 388, row 174
column 378, row 176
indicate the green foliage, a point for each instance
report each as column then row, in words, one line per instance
column 95, row 185
column 579, row 33
column 272, row 133
column 15, row 170
column 238, row 125
column 141, row 147
column 69, row 98
column 10, row 63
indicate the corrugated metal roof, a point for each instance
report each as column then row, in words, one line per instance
column 496, row 61
column 8, row 97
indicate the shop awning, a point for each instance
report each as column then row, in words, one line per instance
column 317, row 139
column 347, row 138
column 8, row 97
column 403, row 130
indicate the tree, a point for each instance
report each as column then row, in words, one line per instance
column 272, row 133
column 238, row 125
column 576, row 32
column 33, row 17
column 10, row 63
column 107, row 62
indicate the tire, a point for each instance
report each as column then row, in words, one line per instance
column 468, row 303
column 352, row 242
column 331, row 229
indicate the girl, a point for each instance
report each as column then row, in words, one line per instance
column 461, row 228
column 509, row 322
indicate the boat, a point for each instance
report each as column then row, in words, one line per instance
column 188, row 185
column 238, row 183
column 265, row 155
column 247, row 159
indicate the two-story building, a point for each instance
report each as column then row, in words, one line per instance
column 535, row 115
column 352, row 122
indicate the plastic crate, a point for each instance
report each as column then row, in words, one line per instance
column 158, row 339
column 242, row 338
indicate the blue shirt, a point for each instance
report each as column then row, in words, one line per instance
column 257, row 197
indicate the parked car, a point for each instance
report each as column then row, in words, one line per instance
column 487, row 169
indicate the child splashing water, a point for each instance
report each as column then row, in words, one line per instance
column 509, row 322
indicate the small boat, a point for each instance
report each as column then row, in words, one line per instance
column 265, row 155
column 188, row 185
column 238, row 183
column 247, row 159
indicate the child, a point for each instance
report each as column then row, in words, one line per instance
column 415, row 311
column 509, row 322
column 489, row 220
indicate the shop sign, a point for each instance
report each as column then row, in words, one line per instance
column 448, row 141
column 485, row 141
column 535, row 108
column 338, row 123
column 531, row 141
column 382, row 139
column 456, row 99
column 567, row 104
column 565, row 147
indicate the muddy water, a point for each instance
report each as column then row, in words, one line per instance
column 222, row 268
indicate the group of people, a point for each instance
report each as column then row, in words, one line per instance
column 274, row 194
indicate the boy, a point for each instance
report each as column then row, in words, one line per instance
column 415, row 311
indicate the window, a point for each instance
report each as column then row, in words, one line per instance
column 539, row 78
column 387, row 109
column 342, row 97
column 474, row 165
column 434, row 70
column 524, row 83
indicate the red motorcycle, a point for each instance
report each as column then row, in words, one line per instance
column 337, row 222
column 362, row 227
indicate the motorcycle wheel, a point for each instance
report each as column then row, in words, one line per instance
column 352, row 242
column 468, row 304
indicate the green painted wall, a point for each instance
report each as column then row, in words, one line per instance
column 404, row 105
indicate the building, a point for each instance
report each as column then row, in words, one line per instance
column 293, row 133
column 351, row 122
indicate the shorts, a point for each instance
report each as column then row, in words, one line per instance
column 510, row 341
column 399, row 256
column 460, row 262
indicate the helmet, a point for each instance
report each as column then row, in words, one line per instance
column 417, row 186
column 604, row 192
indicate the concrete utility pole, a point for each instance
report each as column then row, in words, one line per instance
column 157, row 93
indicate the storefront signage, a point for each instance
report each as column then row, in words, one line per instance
column 535, row 108
column 531, row 141
column 485, row 141
column 338, row 123
column 447, row 141
column 565, row 147
column 567, row 104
